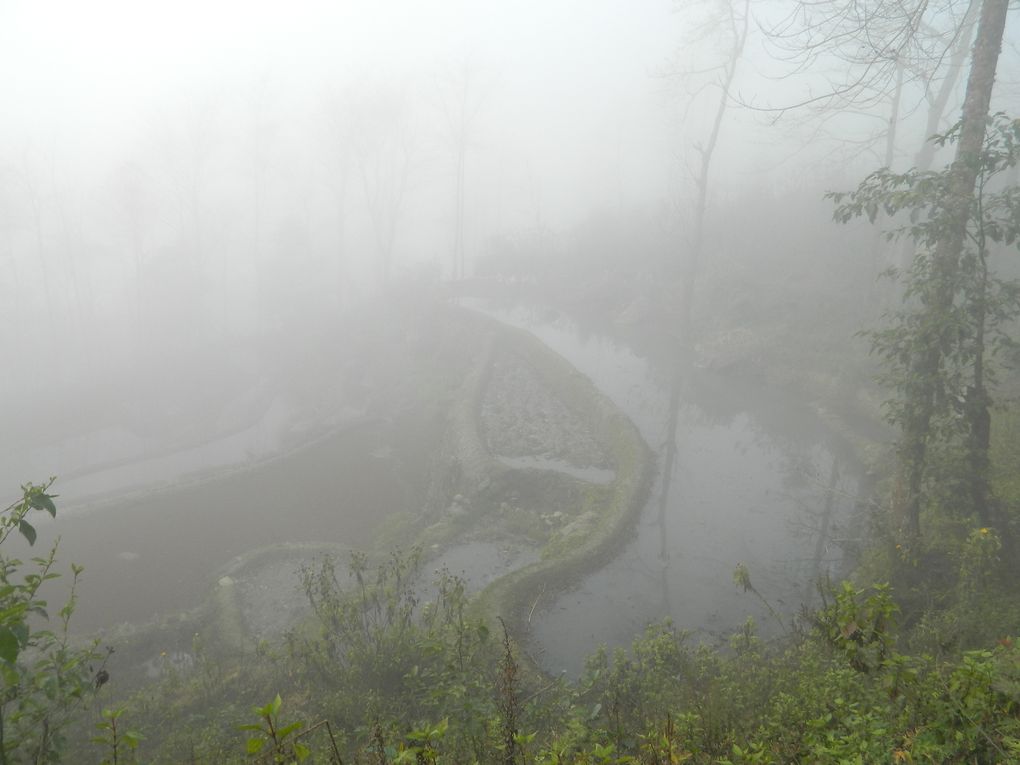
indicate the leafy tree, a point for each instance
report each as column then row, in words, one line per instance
column 933, row 350
column 955, row 212
column 954, row 317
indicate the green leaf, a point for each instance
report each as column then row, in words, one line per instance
column 27, row 531
column 604, row 751
column 9, row 645
column 288, row 729
column 43, row 502
column 21, row 633
column 255, row 745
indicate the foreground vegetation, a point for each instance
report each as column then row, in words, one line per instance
column 387, row 674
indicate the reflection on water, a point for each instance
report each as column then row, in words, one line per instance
column 745, row 475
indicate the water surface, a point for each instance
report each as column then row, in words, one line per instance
column 747, row 475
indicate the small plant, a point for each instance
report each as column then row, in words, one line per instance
column 117, row 742
column 661, row 746
column 421, row 748
column 280, row 738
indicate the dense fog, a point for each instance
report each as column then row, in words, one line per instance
column 210, row 211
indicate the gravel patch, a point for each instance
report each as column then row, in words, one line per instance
column 520, row 417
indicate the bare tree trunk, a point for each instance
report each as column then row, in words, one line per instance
column 920, row 396
column 458, row 215
column 458, row 235
column 926, row 155
column 343, row 287
column 739, row 30
column 339, row 120
column 71, row 240
column 894, row 117
column 460, row 102
column 668, row 466
column 978, row 410
column 47, row 285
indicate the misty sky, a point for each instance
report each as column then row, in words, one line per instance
column 88, row 78
column 154, row 155
column 572, row 100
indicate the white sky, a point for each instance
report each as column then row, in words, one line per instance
column 575, row 120
column 83, row 71
column 575, row 106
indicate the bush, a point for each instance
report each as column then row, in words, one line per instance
column 45, row 678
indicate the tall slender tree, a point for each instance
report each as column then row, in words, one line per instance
column 339, row 126
column 920, row 394
column 460, row 101
column 735, row 22
column 384, row 148
column 871, row 40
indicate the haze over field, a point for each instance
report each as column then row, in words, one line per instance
column 200, row 201
column 160, row 160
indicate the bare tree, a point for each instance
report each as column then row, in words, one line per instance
column 9, row 224
column 263, row 132
column 339, row 123
column 734, row 24
column 68, row 225
column 853, row 54
column 883, row 60
column 133, row 198
column 31, row 191
column 189, row 145
column 460, row 101
column 383, row 139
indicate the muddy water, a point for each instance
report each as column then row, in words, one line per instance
column 750, row 482
column 159, row 552
column 754, row 478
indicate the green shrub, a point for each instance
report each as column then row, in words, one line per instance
column 45, row 677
